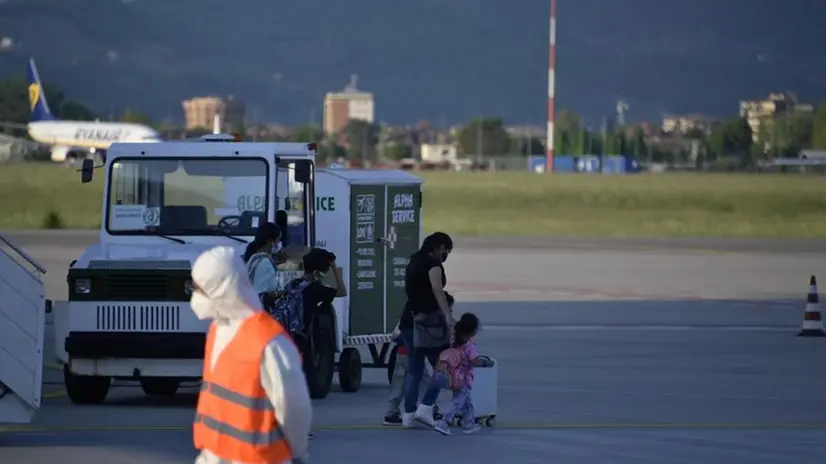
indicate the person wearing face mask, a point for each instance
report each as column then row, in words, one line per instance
column 426, row 320
column 317, row 264
column 261, row 266
column 254, row 406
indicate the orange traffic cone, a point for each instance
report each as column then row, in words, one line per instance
column 812, row 322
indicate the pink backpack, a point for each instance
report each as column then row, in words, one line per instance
column 452, row 361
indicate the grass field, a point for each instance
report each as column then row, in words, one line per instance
column 514, row 203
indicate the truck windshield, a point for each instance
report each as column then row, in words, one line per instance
column 192, row 196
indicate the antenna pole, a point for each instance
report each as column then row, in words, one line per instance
column 549, row 166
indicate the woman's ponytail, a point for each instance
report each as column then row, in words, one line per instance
column 267, row 231
column 251, row 247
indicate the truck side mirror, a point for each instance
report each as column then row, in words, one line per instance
column 303, row 172
column 87, row 170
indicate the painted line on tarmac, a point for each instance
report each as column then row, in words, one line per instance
column 632, row 328
column 54, row 394
column 513, row 426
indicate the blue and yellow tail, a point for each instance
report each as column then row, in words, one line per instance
column 37, row 99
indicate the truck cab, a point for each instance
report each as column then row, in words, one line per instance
column 127, row 315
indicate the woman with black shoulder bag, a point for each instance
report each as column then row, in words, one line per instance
column 426, row 321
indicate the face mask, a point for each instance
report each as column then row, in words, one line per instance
column 201, row 306
column 444, row 256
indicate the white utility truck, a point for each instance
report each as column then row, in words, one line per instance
column 22, row 325
column 128, row 316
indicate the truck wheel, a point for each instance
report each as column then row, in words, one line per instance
column 391, row 363
column 319, row 359
column 85, row 389
column 160, row 386
column 349, row 370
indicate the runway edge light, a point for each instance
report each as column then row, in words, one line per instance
column 812, row 320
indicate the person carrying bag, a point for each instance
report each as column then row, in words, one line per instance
column 426, row 321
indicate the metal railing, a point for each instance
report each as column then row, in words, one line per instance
column 22, row 253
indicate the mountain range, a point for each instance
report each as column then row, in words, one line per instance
column 440, row 60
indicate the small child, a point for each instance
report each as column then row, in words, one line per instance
column 454, row 371
column 393, row 415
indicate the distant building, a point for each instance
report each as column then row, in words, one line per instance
column 341, row 107
column 682, row 125
column 756, row 112
column 199, row 112
column 439, row 153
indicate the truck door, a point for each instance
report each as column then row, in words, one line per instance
column 295, row 197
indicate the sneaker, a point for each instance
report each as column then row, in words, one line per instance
column 424, row 416
column 472, row 428
column 408, row 420
column 436, row 415
column 393, row 419
column 442, row 427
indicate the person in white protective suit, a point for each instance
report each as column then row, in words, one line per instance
column 278, row 424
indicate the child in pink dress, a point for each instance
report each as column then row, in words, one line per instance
column 454, row 371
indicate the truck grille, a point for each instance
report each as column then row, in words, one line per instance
column 137, row 286
column 141, row 318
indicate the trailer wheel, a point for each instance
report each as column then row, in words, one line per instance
column 319, row 358
column 160, row 386
column 391, row 363
column 85, row 389
column 349, row 370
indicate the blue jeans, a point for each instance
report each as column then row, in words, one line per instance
column 462, row 403
column 439, row 383
column 415, row 370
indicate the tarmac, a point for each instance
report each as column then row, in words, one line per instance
column 609, row 351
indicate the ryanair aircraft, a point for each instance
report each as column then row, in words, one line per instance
column 74, row 139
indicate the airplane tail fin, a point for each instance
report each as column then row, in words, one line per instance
column 37, row 98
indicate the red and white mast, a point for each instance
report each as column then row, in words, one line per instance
column 549, row 143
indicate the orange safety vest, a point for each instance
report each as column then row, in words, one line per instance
column 235, row 419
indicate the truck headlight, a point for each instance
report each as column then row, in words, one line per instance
column 188, row 288
column 83, row 286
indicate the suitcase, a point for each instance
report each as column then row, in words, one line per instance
column 485, row 395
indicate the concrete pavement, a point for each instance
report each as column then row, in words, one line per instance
column 607, row 355
column 73, row 238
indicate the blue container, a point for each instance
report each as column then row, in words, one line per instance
column 564, row 164
column 537, row 163
column 613, row 164
column 587, row 164
column 632, row 165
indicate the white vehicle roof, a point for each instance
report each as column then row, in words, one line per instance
column 210, row 148
column 371, row 176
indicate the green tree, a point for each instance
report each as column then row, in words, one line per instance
column 14, row 99
column 532, row 146
column 307, row 133
column 362, row 138
column 398, row 151
column 135, row 117
column 739, row 136
column 330, row 151
column 785, row 135
column 568, row 133
column 638, row 147
column 484, row 136
column 819, row 129
column 732, row 138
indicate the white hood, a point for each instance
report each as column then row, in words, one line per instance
column 227, row 293
column 145, row 255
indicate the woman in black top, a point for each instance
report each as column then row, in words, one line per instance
column 425, row 280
